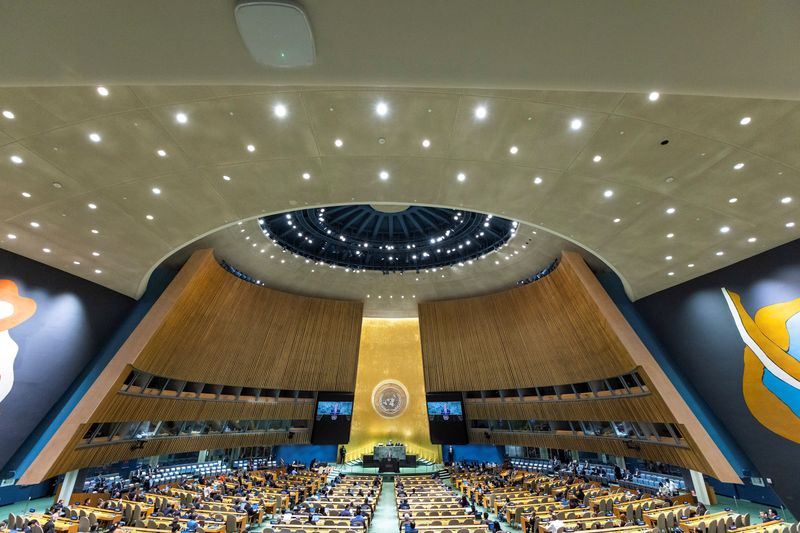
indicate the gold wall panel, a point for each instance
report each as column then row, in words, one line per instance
column 390, row 351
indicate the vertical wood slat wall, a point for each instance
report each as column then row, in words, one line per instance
column 548, row 333
column 217, row 329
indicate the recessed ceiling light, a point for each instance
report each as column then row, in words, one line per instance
column 96, row 254
column 226, row 178
column 752, row 239
column 653, row 96
column 608, row 193
column 733, row 200
column 76, row 262
column 670, row 235
column 382, row 109
column 461, row 176
column 597, row 158
column 34, row 224
column 280, row 111
column 102, row 91
column 92, row 206
column 537, row 180
column 724, row 229
column 576, row 124
column 182, row 118
column 670, row 273
column 790, row 224
column 156, row 190
column 513, row 150
column 149, row 217
column 95, row 137
column 786, row 199
column 670, row 210
column 338, row 143
column 668, row 258
column 95, row 231
column 744, row 121
column 251, row 148
column 617, row 220
column 720, row 253
column 738, row 166
column 17, row 160
column 26, row 194
column 98, row 271
column 306, row 176
column 480, row 112
column 8, row 114
column 46, row 250
column 11, row 236
column 690, row 265
column 161, row 153
column 426, row 143
column 383, row 175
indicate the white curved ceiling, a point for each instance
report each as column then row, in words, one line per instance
column 694, row 173
column 710, row 47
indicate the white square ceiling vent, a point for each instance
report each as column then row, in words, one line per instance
column 276, row 34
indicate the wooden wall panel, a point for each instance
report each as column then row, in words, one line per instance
column 673, row 455
column 212, row 327
column 225, row 330
column 641, row 408
column 100, row 455
column 122, row 407
column 544, row 333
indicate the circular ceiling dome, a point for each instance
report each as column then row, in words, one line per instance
column 370, row 238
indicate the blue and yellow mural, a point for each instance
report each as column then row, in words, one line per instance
column 14, row 310
column 771, row 377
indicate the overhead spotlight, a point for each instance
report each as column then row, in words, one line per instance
column 738, row 166
column 426, row 143
column 95, row 137
column 513, row 150
column 744, row 121
column 384, row 175
column 608, row 193
column 338, row 143
column 226, row 178
column 17, row 160
column 653, row 96
column 461, row 176
column 576, row 124
column 280, row 111
column 92, row 206
column 724, row 229
column 670, row 210
column 786, row 199
column 102, row 91
column 156, row 190
column 382, row 109
column 251, row 148
column 480, row 112
column 161, row 152
column 537, row 180
column 306, row 176
column 8, row 114
column 597, row 158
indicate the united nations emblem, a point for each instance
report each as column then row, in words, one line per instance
column 390, row 398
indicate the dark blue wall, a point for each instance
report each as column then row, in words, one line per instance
column 304, row 453
column 74, row 318
column 694, row 325
column 484, row 453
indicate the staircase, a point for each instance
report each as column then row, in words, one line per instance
column 333, row 473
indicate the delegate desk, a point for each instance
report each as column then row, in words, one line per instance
column 62, row 525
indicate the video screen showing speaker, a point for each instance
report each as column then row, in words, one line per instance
column 332, row 418
column 448, row 425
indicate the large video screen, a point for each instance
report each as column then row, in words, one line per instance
column 332, row 420
column 446, row 418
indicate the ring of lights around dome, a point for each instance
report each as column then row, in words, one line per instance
column 361, row 237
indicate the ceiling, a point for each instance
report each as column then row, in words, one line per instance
column 552, row 183
column 713, row 47
column 384, row 296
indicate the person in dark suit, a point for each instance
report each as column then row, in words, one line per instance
column 342, row 454
column 49, row 526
